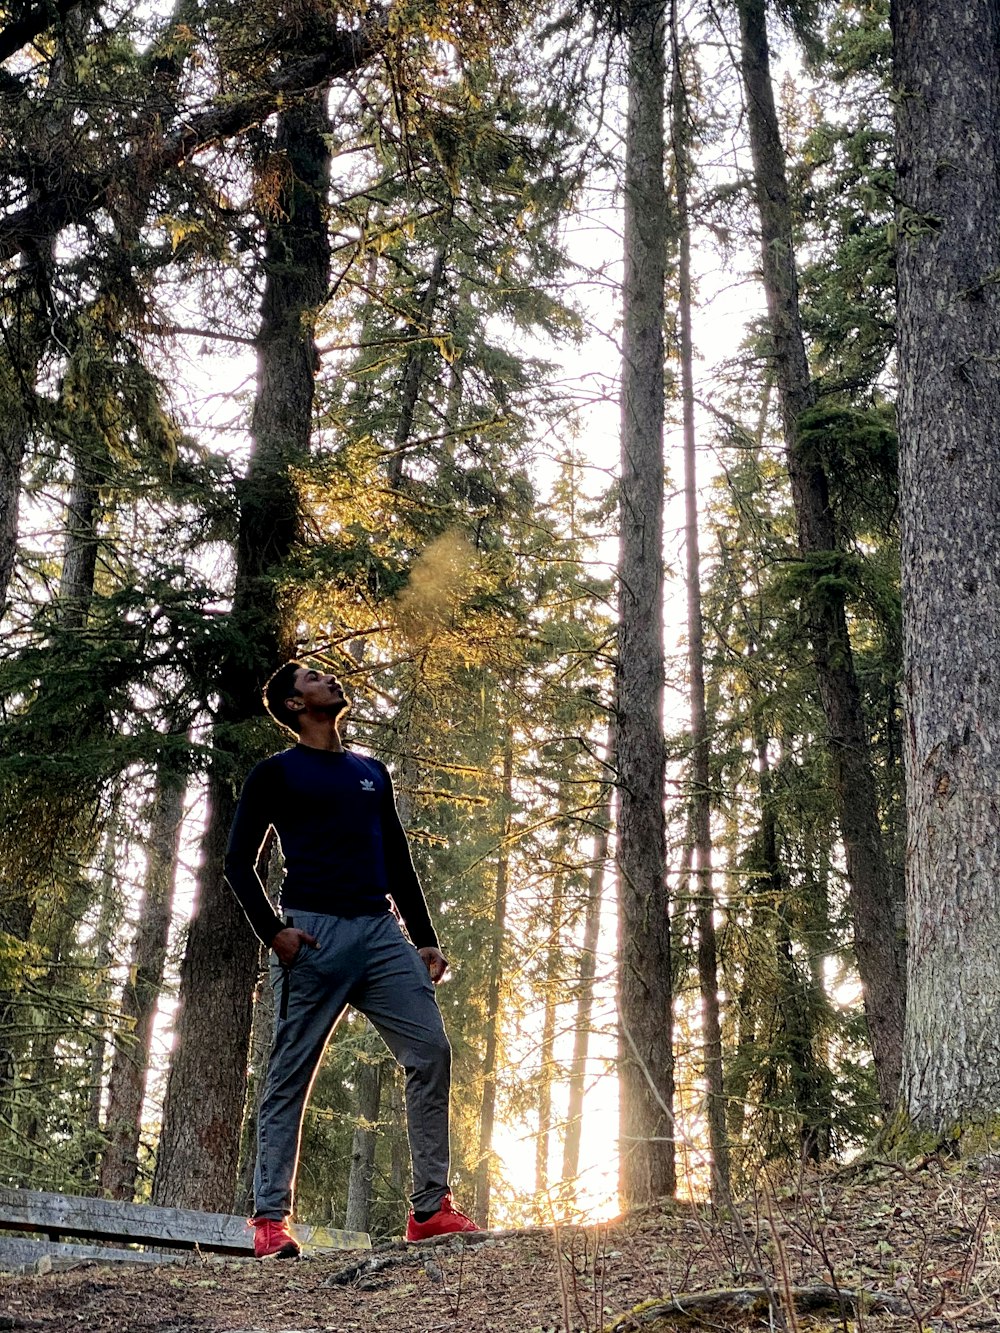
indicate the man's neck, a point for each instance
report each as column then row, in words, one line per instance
column 320, row 735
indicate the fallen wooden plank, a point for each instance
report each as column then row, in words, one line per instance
column 147, row 1224
column 16, row 1253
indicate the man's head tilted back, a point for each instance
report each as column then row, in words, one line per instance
column 297, row 690
column 278, row 689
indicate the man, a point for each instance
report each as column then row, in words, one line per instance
column 338, row 944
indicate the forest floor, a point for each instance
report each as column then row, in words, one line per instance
column 922, row 1241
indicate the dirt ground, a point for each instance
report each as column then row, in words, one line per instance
column 924, row 1242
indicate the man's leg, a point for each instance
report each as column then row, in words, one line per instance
column 309, row 998
column 396, row 994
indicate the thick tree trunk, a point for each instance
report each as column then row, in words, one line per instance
column 874, row 897
column 203, row 1111
column 585, row 984
column 644, row 980
column 947, row 74
column 127, row 1084
column 367, row 1097
column 701, row 811
column 487, row 1115
column 198, row 1153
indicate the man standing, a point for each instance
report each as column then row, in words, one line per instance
column 338, row 944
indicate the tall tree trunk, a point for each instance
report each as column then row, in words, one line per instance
column 17, row 390
column 25, row 334
column 399, row 1148
column 644, row 979
column 701, row 811
column 127, row 1084
column 261, row 1037
column 80, row 547
column 413, row 369
column 874, row 895
column 588, row 970
column 368, row 1071
column 481, row 1191
column 547, row 1049
column 108, row 923
column 199, row 1145
column 947, row 77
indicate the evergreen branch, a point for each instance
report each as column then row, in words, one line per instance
column 31, row 25
column 84, row 194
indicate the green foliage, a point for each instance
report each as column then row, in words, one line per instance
column 844, row 179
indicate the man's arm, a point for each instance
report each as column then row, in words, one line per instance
column 250, row 826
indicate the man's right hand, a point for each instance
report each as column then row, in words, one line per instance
column 287, row 943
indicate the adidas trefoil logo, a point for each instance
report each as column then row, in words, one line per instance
column 367, row 784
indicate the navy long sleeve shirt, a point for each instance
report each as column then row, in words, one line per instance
column 344, row 847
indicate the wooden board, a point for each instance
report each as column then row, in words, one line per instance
column 16, row 1253
column 108, row 1219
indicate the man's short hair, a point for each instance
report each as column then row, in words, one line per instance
column 279, row 687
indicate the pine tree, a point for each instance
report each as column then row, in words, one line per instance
column 947, row 99
column 878, row 939
column 644, row 980
column 199, row 1145
column 700, row 739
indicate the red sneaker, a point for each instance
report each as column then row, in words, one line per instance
column 272, row 1236
column 441, row 1223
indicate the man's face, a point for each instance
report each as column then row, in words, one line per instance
column 319, row 692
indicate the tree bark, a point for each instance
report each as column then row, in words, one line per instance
column 947, row 100
column 16, row 392
column 203, row 1110
column 79, row 566
column 547, row 1049
column 127, row 1084
column 588, row 970
column 874, row 896
column 413, row 369
column 108, row 923
column 644, row 974
column 701, row 810
column 367, row 1097
column 487, row 1115
column 399, row 1148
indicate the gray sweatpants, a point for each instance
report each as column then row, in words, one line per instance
column 365, row 962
